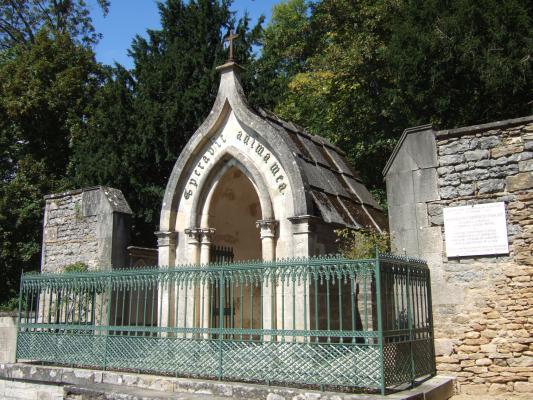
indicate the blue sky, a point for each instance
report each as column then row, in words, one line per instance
column 128, row 18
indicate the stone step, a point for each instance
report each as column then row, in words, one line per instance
column 105, row 391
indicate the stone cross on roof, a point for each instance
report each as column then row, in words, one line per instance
column 231, row 36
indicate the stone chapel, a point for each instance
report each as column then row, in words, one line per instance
column 260, row 186
column 247, row 186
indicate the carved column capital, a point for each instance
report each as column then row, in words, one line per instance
column 194, row 235
column 207, row 235
column 166, row 239
column 268, row 227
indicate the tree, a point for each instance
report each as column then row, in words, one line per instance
column 44, row 92
column 146, row 116
column 287, row 43
column 21, row 20
column 459, row 62
column 338, row 89
column 369, row 69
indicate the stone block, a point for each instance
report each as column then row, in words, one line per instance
column 497, row 388
column 521, row 181
column 425, row 185
column 523, row 387
column 421, row 212
column 448, row 192
column 430, row 240
column 524, row 166
column 423, row 148
column 474, row 389
column 454, row 147
column 443, row 347
column 466, row 189
column 523, row 361
column 489, row 142
column 400, row 188
column 491, row 186
column 488, row 348
column 451, row 159
column 476, row 155
column 501, row 151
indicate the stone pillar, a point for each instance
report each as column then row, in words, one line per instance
column 207, row 236
column 268, row 238
column 166, row 242
column 304, row 239
column 194, row 235
column 205, row 253
column 268, row 243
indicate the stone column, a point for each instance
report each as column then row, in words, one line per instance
column 206, row 235
column 268, row 243
column 166, row 242
column 194, row 239
column 268, row 238
column 304, row 239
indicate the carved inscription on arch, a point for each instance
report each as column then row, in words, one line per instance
column 253, row 147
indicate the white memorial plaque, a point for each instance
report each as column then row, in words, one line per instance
column 479, row 229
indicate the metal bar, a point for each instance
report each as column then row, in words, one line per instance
column 377, row 275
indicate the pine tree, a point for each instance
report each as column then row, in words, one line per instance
column 144, row 118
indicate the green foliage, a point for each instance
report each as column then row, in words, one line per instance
column 358, row 244
column 76, row 267
column 11, row 304
column 21, row 20
column 360, row 72
column 141, row 119
column 44, row 92
column 459, row 62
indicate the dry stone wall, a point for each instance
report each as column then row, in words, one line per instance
column 482, row 305
column 487, row 339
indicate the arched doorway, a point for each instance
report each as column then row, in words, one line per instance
column 234, row 210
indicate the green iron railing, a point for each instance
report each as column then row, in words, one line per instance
column 320, row 321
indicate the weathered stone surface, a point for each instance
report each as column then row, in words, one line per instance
column 491, row 186
column 505, row 150
column 131, row 386
column 476, row 155
column 485, row 339
column 523, row 387
column 88, row 225
column 521, row 181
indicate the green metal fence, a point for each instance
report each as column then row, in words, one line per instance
column 320, row 321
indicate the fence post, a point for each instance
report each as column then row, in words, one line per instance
column 377, row 275
column 221, row 321
column 19, row 315
column 430, row 317
column 108, row 320
column 410, row 324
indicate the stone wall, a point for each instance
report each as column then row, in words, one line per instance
column 87, row 225
column 15, row 390
column 8, row 337
column 483, row 306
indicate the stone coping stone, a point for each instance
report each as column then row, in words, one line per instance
column 78, row 379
